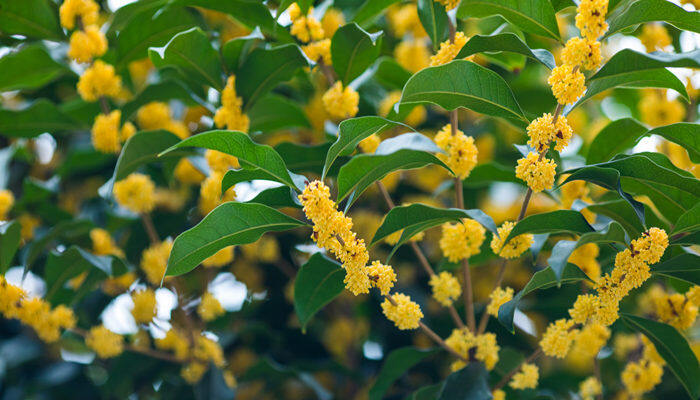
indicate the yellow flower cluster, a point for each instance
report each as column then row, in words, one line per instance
column 446, row 288
column 382, row 277
column 85, row 10
column 590, row 18
column 585, row 257
column 544, row 131
column 568, row 83
column 641, row 376
column 305, row 27
column 590, row 339
column 7, row 201
column 333, row 231
column 88, row 44
column 463, row 341
column 221, row 162
column 341, row 102
column 230, row 114
column 210, row 193
column 319, row 51
column 657, row 110
column 404, row 19
column 558, row 338
column 449, row 4
column 677, row 309
column 498, row 394
column 406, row 314
column 448, row 50
column 538, row 172
column 590, row 388
column 187, row 173
column 515, row 246
column 526, row 378
column 370, row 143
column 99, row 80
column 210, row 308
column 331, row 21
column 35, row 312
column 576, row 190
column 157, row 115
column 176, row 342
column 414, row 118
column 498, row 298
column 104, row 343
column 154, row 261
column 135, row 193
column 144, row 306
column 461, row 240
column 220, row 258
column 461, row 153
column 412, row 54
column 103, row 243
column 655, row 37
column 29, row 223
column 583, row 52
column 106, row 135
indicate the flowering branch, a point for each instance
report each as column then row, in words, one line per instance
column 515, row 370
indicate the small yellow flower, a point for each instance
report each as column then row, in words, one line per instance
column 582, row 52
column 412, row 54
column 341, row 102
column 526, row 378
column 209, row 308
column 88, row 44
column 449, row 4
column 175, row 342
column 567, row 84
column 590, row 18
column 103, row 243
column 462, row 153
column 537, row 172
column 105, row 132
column 515, row 246
column 99, row 80
column 641, row 377
column 405, row 314
column 446, row 288
column 461, row 240
column 448, row 50
column 319, row 50
column 7, row 200
column 144, row 306
column 230, row 114
column 558, row 338
column 154, row 261
column 28, row 223
column 382, row 276
column 185, row 172
column 153, row 115
column 86, row 10
column 657, row 110
column 331, row 21
column 210, row 193
column 655, row 37
column 584, row 308
column 192, row 372
column 220, row 258
column 104, row 342
column 590, row 388
column 370, row 143
column 306, row 28
column 136, row 193
column 498, row 298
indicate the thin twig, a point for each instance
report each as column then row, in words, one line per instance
column 468, row 291
column 104, row 105
column 150, row 228
column 515, row 370
column 596, row 372
column 499, row 280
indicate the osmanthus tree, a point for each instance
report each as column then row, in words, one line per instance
column 374, row 199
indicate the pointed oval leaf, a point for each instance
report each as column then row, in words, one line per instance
column 24, row 123
column 688, row 222
column 236, row 50
column 628, row 60
column 505, row 42
column 435, row 21
column 397, row 363
column 32, row 18
column 643, row 11
column 9, row 243
column 319, row 281
column 29, row 67
column 277, row 197
column 273, row 113
column 371, row 10
column 685, row 267
column 143, row 148
column 534, row 16
column 615, row 138
column 227, row 225
column 559, row 221
column 353, row 50
column 465, row 84
column 470, row 382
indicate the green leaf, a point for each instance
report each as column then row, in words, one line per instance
column 430, row 392
column 415, row 218
column 462, row 83
column 29, row 67
column 559, row 221
column 653, row 10
column 301, row 158
column 236, row 50
column 684, row 134
column 192, row 55
column 685, row 267
column 435, row 21
column 65, row 230
column 390, row 74
column 240, row 145
column 393, row 154
column 319, row 281
column 534, row 16
column 143, row 148
column 542, row 279
column 236, row 176
column 673, row 348
column 274, row 112
column 162, row 91
column 628, row 60
column 277, row 197
column 470, row 382
column 24, row 123
column 397, row 363
column 370, row 10
column 353, row 50
column 485, row 174
column 33, row 18
column 507, row 42
column 264, row 69
column 615, row 138
column 149, row 28
column 227, row 225
column 688, row 222
column 351, row 132
column 612, row 233
column 9, row 243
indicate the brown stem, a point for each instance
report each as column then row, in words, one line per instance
column 104, row 105
column 515, row 370
column 468, row 291
column 150, row 228
column 499, row 280
column 526, row 202
column 596, row 372
column 327, row 72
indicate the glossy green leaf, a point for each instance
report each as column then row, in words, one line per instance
column 9, row 243
column 534, row 16
column 484, row 174
column 302, row 158
column 684, row 134
column 161, row 91
column 353, row 50
column 274, row 112
column 470, row 382
column 628, row 60
column 192, row 55
column 559, row 221
column 240, row 145
column 319, row 281
column 463, row 84
column 32, row 18
column 543, row 279
column 688, row 222
column 435, row 21
column 685, row 267
column 236, row 176
column 390, row 74
column 277, row 197
column 264, row 69
column 143, row 148
column 430, row 392
column 24, row 122
column 653, row 10
column 227, row 225
column 397, row 363
column 615, row 138
column 505, row 42
column 370, row 10
column 65, row 231
column 351, row 132
column 673, row 348
column 29, row 67
column 236, row 50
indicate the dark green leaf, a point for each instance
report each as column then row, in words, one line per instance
column 33, row 18
column 615, row 138
column 143, row 148
column 301, row 158
column 684, row 134
column 685, row 267
column 559, row 221
column 463, row 84
column 688, row 222
column 534, row 16
column 319, row 281
column 192, row 55
column 654, row 10
column 236, row 50
column 397, row 363
column 227, row 225
column 9, row 243
column 264, row 69
column 430, row 392
column 370, row 10
column 277, row 197
column 484, row 174
column 390, row 74
column 24, row 123
column 507, row 42
column 30, row 67
column 435, row 21
column 543, row 279
column 162, row 91
column 469, row 383
column 66, row 230
column 235, row 176
column 673, row 348
column 353, row 50
column 628, row 60
column 274, row 112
